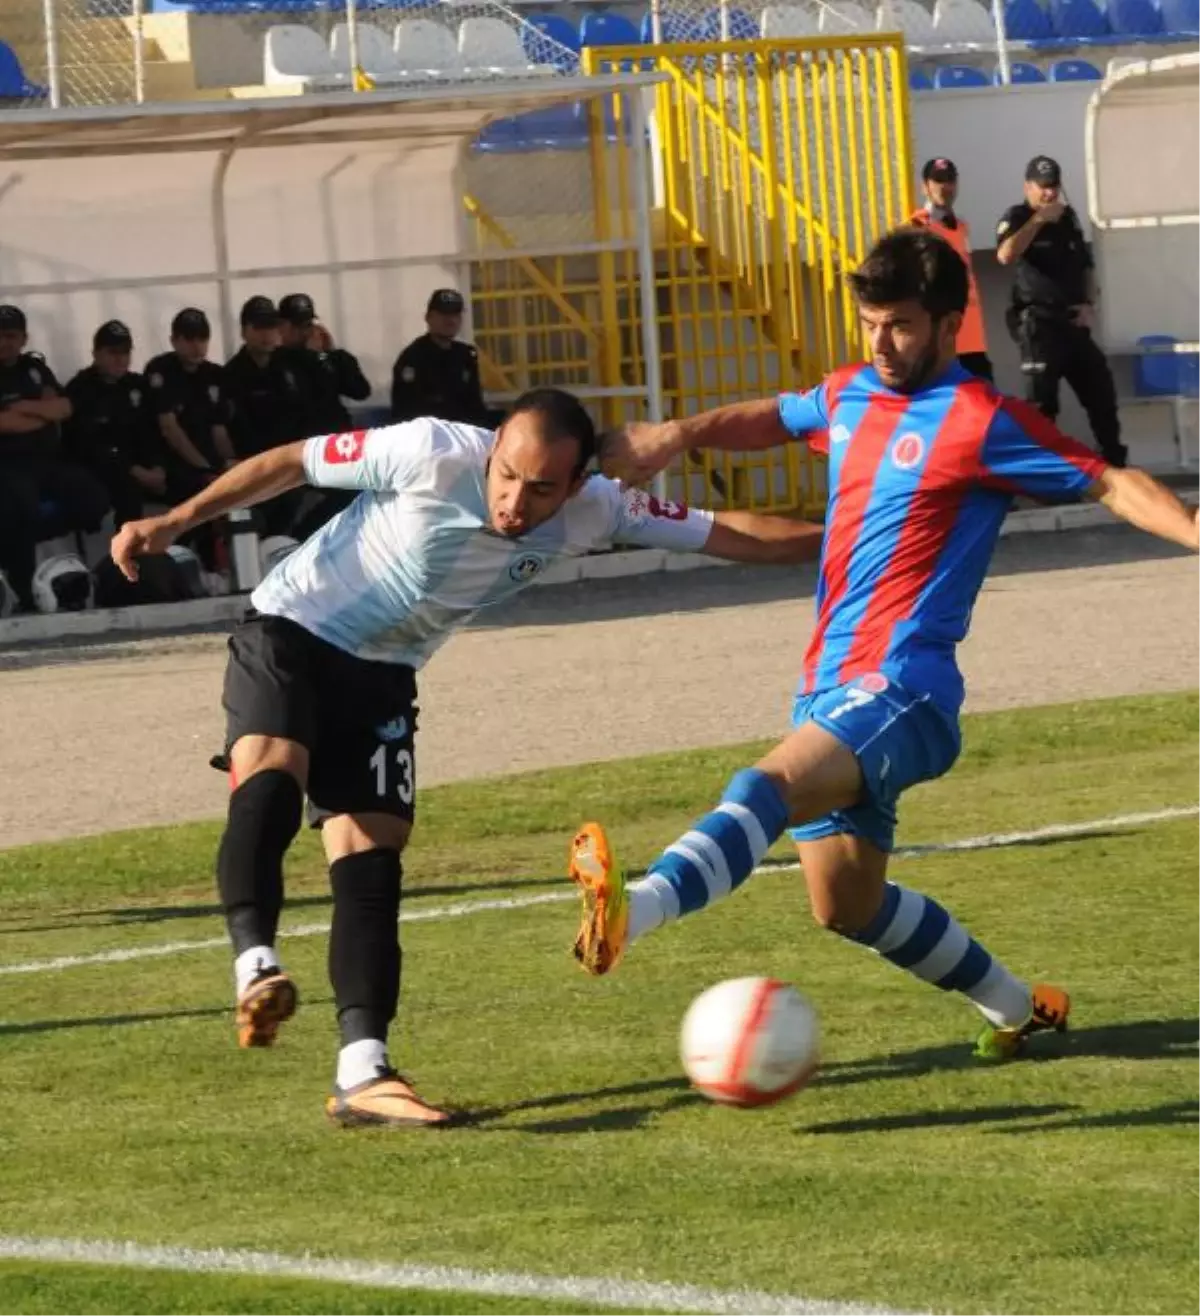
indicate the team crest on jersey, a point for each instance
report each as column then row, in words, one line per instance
column 341, row 449
column 155, row 380
column 526, row 567
column 874, row 683
column 135, row 396
column 839, row 435
column 908, row 451
column 214, row 393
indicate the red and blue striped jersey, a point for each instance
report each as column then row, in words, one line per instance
column 919, row 485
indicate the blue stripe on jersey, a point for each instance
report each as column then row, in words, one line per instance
column 886, row 515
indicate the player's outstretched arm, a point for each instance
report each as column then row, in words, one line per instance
column 1141, row 500
column 252, row 481
column 752, row 537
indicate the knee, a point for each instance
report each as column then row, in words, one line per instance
column 349, row 834
column 845, row 907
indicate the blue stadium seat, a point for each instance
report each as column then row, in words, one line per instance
column 560, row 30
column 1156, row 374
column 1074, row 70
column 1079, row 21
column 556, row 128
column 1026, row 20
column 741, row 26
column 607, row 30
column 919, row 80
column 677, row 28
column 501, row 137
column 1134, row 19
column 1020, row 72
column 1181, row 18
column 14, row 85
column 959, row 75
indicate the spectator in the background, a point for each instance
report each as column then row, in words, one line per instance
column 187, row 395
column 334, row 372
column 41, row 493
column 113, row 431
column 436, row 375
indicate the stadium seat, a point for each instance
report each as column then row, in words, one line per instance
column 1156, row 374
column 1026, row 20
column 919, row 81
column 780, row 22
column 556, row 128
column 296, row 56
column 500, row 137
column 741, row 26
column 558, row 30
column 1079, row 21
column 1074, row 70
column 375, row 54
column 14, row 85
column 950, row 76
column 608, row 30
column 963, row 23
column 1134, row 19
column 492, row 46
column 425, row 48
column 677, row 28
column 1019, row 72
column 843, row 16
column 908, row 17
column 1181, row 18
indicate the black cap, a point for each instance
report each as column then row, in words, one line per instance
column 448, row 300
column 940, row 170
column 1042, row 169
column 297, row 308
column 261, row 312
column 113, row 334
column 191, row 323
column 12, row 317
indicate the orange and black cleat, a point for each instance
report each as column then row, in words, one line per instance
column 604, row 929
column 1051, row 1011
column 269, row 1000
column 387, row 1099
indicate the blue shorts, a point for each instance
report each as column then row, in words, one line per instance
column 899, row 739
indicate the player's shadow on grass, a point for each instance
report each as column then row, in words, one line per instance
column 125, row 1020
column 674, row 1092
column 1145, row 1039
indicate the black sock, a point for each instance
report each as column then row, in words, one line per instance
column 364, row 943
column 264, row 817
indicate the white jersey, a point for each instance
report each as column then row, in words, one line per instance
column 412, row 558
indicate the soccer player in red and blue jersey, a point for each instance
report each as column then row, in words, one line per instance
column 924, row 461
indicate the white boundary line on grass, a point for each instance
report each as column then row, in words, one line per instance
column 441, row 913
column 629, row 1295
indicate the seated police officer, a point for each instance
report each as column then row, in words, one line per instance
column 436, row 375
column 41, row 493
column 333, row 372
column 113, row 430
column 1052, row 310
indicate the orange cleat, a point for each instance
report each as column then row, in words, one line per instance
column 270, row 1000
column 604, row 930
column 387, row 1099
column 1051, row 1010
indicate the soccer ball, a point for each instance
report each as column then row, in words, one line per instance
column 750, row 1041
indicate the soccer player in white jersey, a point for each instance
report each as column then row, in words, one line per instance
column 320, row 687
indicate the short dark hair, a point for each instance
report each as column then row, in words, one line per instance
column 912, row 265
column 563, row 417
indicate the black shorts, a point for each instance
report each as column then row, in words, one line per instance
column 356, row 718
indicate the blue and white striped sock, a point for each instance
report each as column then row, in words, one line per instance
column 715, row 857
column 917, row 934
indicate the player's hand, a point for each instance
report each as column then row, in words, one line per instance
column 636, row 453
column 1052, row 212
column 319, row 338
column 154, row 534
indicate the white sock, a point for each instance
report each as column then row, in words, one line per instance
column 361, row 1061
column 652, row 902
column 1003, row 1000
column 250, row 963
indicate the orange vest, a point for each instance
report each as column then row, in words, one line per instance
column 972, row 337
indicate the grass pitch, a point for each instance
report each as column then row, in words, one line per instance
column 907, row 1175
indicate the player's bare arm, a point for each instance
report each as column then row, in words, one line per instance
column 249, row 482
column 1141, row 500
column 636, row 453
column 750, row 537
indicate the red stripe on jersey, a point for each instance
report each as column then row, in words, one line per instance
column 856, row 480
column 951, row 466
column 1045, row 432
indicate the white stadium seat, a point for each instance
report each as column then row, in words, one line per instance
column 296, row 56
column 780, row 22
column 375, row 54
column 909, row 17
column 424, row 48
column 843, row 17
column 963, row 23
column 490, row 45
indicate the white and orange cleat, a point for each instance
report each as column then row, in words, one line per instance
column 1051, row 1011
column 389, row 1100
column 268, row 1000
column 604, row 930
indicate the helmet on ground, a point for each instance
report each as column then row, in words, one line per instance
column 62, row 584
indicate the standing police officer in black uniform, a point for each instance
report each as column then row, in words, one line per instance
column 113, row 430
column 436, row 375
column 333, row 372
column 1052, row 311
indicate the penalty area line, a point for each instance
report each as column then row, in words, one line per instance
column 627, row 1295
column 465, row 909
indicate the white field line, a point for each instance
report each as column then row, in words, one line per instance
column 628, row 1295
column 441, row 913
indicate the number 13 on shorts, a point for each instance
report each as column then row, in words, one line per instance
column 393, row 769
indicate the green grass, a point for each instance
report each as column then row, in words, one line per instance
column 906, row 1175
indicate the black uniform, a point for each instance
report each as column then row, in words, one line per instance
column 34, row 472
column 331, row 376
column 1052, row 278
column 430, row 379
column 196, row 398
column 270, row 404
column 113, row 428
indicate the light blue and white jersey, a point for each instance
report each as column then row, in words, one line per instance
column 412, row 558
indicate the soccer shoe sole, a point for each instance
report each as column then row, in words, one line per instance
column 1051, row 1013
column 351, row 1111
column 603, row 931
column 263, row 1007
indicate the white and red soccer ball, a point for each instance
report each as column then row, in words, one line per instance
column 750, row 1041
